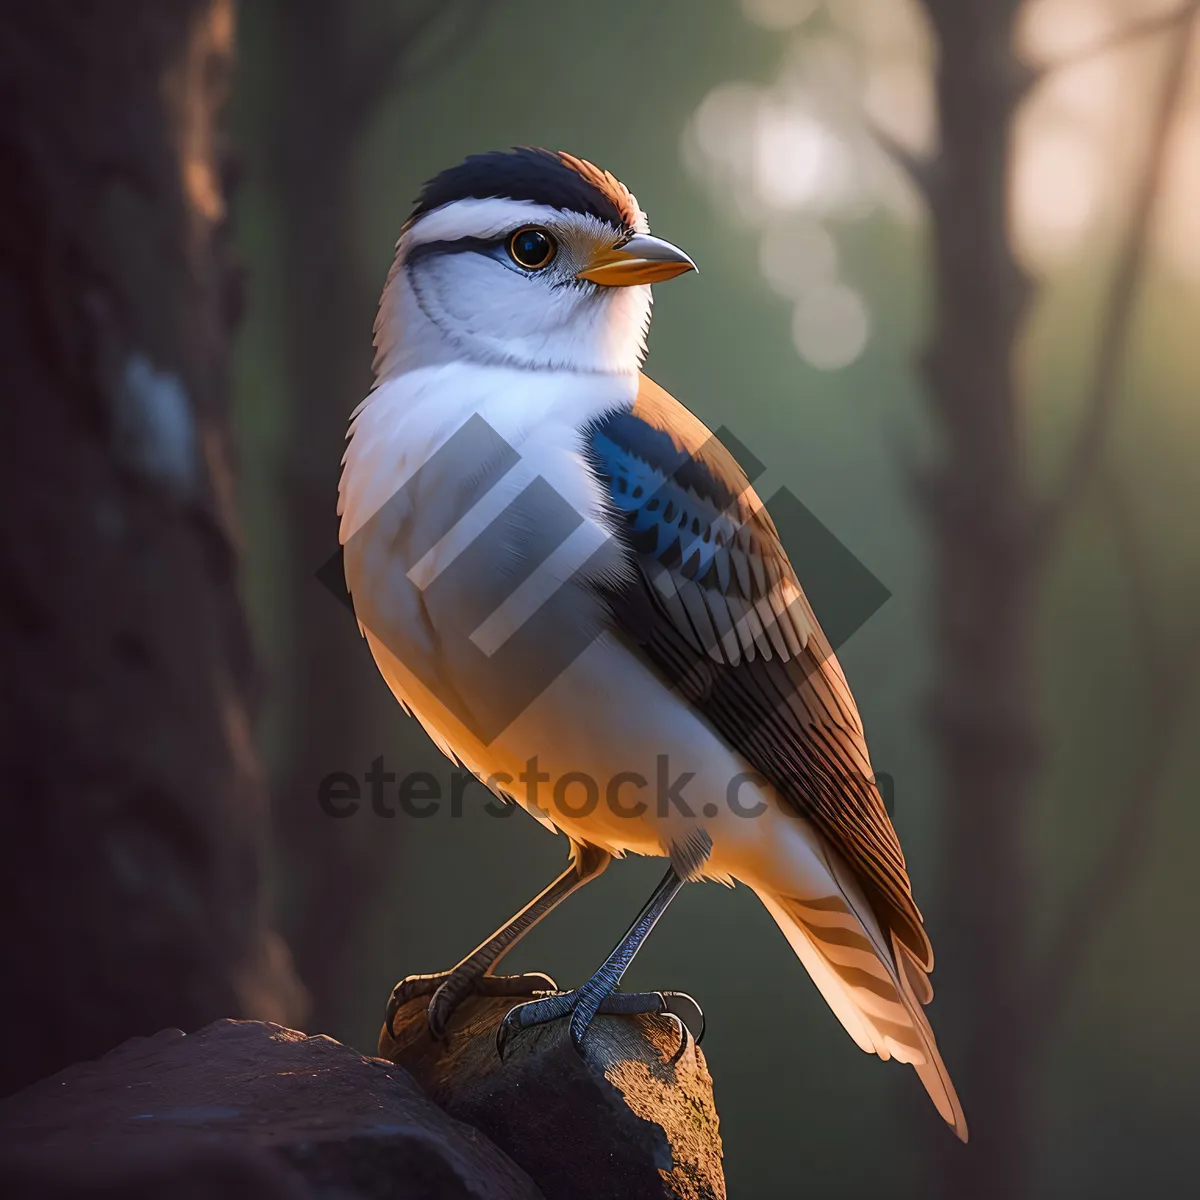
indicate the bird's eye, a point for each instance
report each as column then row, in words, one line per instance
column 532, row 248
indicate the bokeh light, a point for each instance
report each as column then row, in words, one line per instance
column 797, row 256
column 793, row 156
column 830, row 326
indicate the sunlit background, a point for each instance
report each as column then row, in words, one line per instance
column 761, row 135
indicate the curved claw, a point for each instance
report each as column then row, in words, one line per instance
column 389, row 1015
column 409, row 988
column 434, row 1021
column 683, row 1006
column 504, row 1030
column 684, row 1034
column 583, row 1008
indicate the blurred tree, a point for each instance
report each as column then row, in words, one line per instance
column 991, row 538
column 337, row 64
column 133, row 821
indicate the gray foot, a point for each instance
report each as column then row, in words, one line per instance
column 446, row 992
column 582, row 1008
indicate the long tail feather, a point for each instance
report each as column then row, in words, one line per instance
column 872, row 984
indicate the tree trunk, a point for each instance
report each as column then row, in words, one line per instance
column 337, row 65
column 984, row 575
column 335, row 869
column 133, row 820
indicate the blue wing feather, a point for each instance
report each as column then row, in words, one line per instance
column 717, row 608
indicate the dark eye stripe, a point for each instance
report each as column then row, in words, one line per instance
column 463, row 245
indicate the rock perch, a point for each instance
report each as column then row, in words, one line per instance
column 622, row 1121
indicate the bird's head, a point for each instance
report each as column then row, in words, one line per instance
column 528, row 258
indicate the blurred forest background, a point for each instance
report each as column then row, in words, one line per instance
column 949, row 295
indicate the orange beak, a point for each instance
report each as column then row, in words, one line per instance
column 642, row 259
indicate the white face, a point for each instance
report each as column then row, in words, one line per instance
column 469, row 283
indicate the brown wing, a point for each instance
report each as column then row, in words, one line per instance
column 717, row 608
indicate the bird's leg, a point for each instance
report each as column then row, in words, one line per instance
column 600, row 993
column 474, row 973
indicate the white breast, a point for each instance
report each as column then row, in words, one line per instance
column 423, row 582
column 402, row 424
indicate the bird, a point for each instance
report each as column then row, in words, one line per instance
column 571, row 584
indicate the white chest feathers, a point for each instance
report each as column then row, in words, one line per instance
column 430, row 421
column 473, row 529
